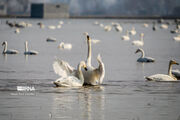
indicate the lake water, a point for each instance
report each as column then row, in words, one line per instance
column 124, row 95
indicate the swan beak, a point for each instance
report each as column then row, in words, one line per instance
column 85, row 68
column 136, row 51
column 177, row 63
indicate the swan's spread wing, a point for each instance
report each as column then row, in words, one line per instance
column 62, row 68
column 69, row 81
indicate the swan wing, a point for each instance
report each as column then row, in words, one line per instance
column 62, row 68
column 70, row 81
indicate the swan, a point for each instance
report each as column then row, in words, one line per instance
column 164, row 26
column 154, row 26
column 92, row 40
column 164, row 77
column 51, row 39
column 145, row 25
column 41, row 25
column 139, row 42
column 143, row 58
column 176, row 73
column 177, row 38
column 70, row 77
column 61, row 22
column 17, row 31
column 93, row 76
column 29, row 52
column 63, row 45
column 107, row 28
column 126, row 37
column 96, row 23
column 118, row 28
column 52, row 27
column 5, row 51
column 59, row 26
column 133, row 31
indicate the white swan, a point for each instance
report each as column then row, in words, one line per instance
column 164, row 26
column 143, row 58
column 139, row 42
column 93, row 76
column 51, row 39
column 70, row 77
column 164, row 77
column 177, row 38
column 6, row 51
column 107, row 28
column 66, row 46
column 52, row 27
column 126, row 37
column 29, row 52
column 145, row 25
column 17, row 31
column 118, row 28
column 176, row 73
column 94, row 41
column 133, row 31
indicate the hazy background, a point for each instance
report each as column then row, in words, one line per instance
column 105, row 7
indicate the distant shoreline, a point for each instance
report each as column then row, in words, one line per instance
column 97, row 17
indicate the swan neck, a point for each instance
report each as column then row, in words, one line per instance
column 26, row 46
column 142, row 38
column 143, row 54
column 5, row 47
column 169, row 69
column 80, row 74
column 89, row 53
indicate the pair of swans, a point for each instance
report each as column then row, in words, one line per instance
column 75, row 78
column 10, row 51
column 70, row 77
column 164, row 77
column 139, row 42
column 143, row 58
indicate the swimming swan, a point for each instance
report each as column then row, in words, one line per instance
column 139, row 42
column 29, row 52
column 6, row 51
column 164, row 77
column 126, row 37
column 143, row 58
column 66, row 46
column 133, row 31
column 51, row 39
column 70, row 77
column 93, row 76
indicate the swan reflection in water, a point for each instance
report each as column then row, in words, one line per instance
column 79, row 103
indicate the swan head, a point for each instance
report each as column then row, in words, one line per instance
column 85, row 33
column 61, row 45
column 88, row 38
column 83, row 64
column 99, row 57
column 173, row 62
column 138, row 50
column 4, row 43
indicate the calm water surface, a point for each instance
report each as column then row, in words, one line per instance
column 124, row 95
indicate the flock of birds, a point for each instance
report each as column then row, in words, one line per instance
column 90, row 75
